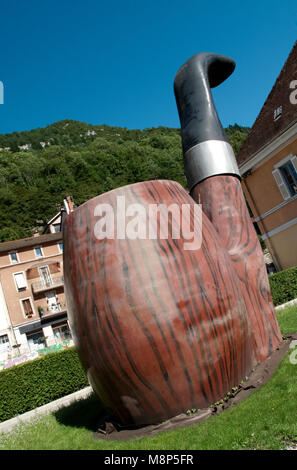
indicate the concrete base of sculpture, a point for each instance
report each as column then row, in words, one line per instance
column 108, row 429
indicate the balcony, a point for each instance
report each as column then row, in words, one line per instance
column 43, row 286
column 52, row 310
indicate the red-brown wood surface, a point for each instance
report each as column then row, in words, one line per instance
column 223, row 202
column 159, row 329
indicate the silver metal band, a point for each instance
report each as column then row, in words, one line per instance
column 209, row 158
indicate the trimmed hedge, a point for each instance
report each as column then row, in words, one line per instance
column 35, row 383
column 284, row 286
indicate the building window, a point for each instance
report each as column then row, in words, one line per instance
column 20, row 281
column 13, row 257
column 52, row 302
column 57, row 227
column 38, row 252
column 290, row 176
column 61, row 247
column 285, row 176
column 35, row 340
column 27, row 307
column 277, row 113
column 61, row 332
column 4, row 340
column 45, row 276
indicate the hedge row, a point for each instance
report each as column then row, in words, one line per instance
column 35, row 383
column 284, row 286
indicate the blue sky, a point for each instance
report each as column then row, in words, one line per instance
column 114, row 62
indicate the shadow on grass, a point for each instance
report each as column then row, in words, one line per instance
column 86, row 413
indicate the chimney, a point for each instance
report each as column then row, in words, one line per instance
column 68, row 204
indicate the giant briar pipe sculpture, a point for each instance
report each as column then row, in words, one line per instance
column 160, row 329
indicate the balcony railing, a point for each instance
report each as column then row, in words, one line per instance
column 59, row 307
column 47, row 285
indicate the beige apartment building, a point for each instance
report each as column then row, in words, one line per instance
column 268, row 165
column 33, row 311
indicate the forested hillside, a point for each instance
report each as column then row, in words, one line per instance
column 39, row 168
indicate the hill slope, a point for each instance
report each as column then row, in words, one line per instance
column 39, row 168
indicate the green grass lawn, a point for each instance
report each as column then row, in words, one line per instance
column 287, row 320
column 267, row 419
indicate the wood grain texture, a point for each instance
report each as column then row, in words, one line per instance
column 158, row 329
column 224, row 204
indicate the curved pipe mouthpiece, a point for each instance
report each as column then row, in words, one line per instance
column 206, row 149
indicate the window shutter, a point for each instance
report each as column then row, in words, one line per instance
column 281, row 184
column 20, row 281
column 294, row 162
column 27, row 306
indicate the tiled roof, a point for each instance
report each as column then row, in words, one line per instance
column 32, row 241
column 265, row 128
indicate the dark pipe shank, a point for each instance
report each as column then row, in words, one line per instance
column 197, row 113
